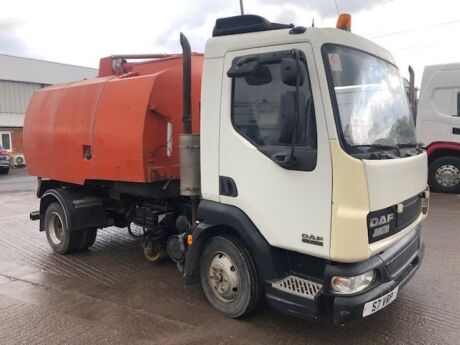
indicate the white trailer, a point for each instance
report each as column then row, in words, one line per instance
column 438, row 125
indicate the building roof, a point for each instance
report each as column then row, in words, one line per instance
column 29, row 70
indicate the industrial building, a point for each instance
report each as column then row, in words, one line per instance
column 19, row 78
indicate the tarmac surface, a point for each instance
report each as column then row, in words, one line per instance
column 110, row 294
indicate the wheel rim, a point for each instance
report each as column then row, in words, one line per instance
column 448, row 175
column 223, row 277
column 56, row 229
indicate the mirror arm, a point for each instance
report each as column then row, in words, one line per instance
column 246, row 59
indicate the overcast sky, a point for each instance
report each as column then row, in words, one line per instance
column 417, row 32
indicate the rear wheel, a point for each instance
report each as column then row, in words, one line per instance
column 88, row 237
column 61, row 240
column 444, row 175
column 228, row 277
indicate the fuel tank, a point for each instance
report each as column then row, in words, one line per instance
column 123, row 125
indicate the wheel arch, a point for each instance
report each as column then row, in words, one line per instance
column 47, row 199
column 221, row 219
column 81, row 209
column 442, row 149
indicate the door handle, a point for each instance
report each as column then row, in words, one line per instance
column 456, row 130
column 227, row 186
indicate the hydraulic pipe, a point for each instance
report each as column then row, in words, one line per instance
column 118, row 61
column 141, row 56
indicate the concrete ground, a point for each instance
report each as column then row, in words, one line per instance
column 111, row 295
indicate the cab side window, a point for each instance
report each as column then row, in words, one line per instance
column 264, row 109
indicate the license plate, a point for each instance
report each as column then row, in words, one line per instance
column 380, row 303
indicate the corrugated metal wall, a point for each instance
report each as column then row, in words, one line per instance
column 15, row 96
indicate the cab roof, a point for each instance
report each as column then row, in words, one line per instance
column 264, row 33
column 244, row 24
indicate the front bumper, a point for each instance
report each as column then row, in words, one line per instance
column 394, row 266
column 4, row 163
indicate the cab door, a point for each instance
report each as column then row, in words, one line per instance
column 455, row 119
column 290, row 203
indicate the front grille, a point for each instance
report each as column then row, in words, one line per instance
column 298, row 286
column 387, row 222
column 2, row 158
column 398, row 263
column 412, row 209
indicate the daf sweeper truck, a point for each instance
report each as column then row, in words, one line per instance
column 282, row 165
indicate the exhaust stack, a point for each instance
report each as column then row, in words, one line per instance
column 412, row 92
column 187, row 84
column 189, row 144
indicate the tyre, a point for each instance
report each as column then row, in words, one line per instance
column 444, row 175
column 229, row 277
column 4, row 170
column 61, row 240
column 88, row 237
column 154, row 251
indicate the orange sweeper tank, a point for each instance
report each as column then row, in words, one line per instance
column 123, row 125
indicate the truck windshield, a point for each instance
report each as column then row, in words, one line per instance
column 373, row 110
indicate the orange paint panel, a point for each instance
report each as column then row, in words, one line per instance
column 119, row 123
column 54, row 135
column 119, row 126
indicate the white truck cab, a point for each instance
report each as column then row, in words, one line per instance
column 309, row 157
column 438, row 124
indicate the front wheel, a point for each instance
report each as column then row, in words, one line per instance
column 229, row 277
column 4, row 170
column 444, row 175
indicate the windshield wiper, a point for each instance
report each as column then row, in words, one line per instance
column 414, row 145
column 382, row 146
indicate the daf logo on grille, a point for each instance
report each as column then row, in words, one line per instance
column 382, row 220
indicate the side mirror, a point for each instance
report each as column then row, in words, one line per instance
column 261, row 76
column 253, row 72
column 289, row 71
column 243, row 67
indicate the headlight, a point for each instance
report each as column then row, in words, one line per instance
column 349, row 285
